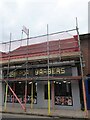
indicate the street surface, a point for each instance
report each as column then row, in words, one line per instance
column 6, row 116
column 20, row 116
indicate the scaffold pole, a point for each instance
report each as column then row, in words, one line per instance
column 26, row 31
column 13, row 95
column 5, row 104
column 48, row 73
column 82, row 74
column 32, row 95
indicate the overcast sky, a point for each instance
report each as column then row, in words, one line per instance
column 36, row 14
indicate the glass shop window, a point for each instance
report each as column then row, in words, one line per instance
column 63, row 93
column 88, row 86
column 46, row 91
column 20, row 92
column 29, row 99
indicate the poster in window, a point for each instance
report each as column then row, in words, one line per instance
column 21, row 98
column 63, row 100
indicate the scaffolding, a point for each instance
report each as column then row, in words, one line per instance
column 45, row 50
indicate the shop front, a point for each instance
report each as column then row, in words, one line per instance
column 64, row 92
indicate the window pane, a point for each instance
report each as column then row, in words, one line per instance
column 46, row 91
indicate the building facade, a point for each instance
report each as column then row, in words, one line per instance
column 28, row 68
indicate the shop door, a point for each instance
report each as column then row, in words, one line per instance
column 88, row 93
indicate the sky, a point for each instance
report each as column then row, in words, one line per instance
column 36, row 14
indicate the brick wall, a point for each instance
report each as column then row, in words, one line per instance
column 85, row 48
column 89, row 54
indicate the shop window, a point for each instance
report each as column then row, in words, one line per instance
column 46, row 91
column 63, row 94
column 20, row 92
column 88, row 86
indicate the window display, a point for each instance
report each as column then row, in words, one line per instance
column 62, row 100
column 20, row 92
column 63, row 94
column 21, row 98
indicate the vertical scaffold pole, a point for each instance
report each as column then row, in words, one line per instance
column 25, row 30
column 6, row 92
column 82, row 74
column 59, row 51
column 5, row 104
column 32, row 95
column 48, row 97
column 14, row 91
column 25, row 94
column 48, row 73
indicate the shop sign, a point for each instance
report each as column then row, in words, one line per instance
column 55, row 71
column 40, row 72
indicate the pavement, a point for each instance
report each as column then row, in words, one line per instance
column 77, row 114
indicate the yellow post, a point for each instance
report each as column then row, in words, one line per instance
column 5, row 104
column 32, row 95
column 48, row 97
